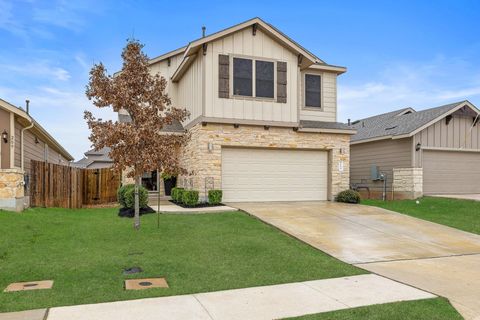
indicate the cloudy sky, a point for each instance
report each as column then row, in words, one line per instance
column 398, row 53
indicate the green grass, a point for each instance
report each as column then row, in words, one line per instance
column 85, row 251
column 460, row 214
column 438, row 309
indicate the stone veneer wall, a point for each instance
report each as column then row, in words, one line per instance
column 12, row 189
column 205, row 166
column 407, row 183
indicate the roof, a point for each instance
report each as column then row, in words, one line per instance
column 194, row 46
column 22, row 114
column 324, row 125
column 175, row 126
column 101, row 152
column 403, row 122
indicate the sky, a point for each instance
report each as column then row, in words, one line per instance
column 399, row 54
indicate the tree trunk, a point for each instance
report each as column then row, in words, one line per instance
column 137, row 203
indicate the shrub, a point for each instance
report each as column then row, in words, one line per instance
column 190, row 197
column 177, row 194
column 121, row 193
column 214, row 196
column 130, row 197
column 348, row 196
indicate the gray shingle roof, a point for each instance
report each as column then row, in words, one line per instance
column 308, row 124
column 176, row 126
column 395, row 123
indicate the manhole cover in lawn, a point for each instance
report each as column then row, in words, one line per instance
column 30, row 285
column 132, row 270
column 139, row 284
column 145, row 283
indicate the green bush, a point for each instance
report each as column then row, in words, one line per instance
column 121, row 193
column 214, row 196
column 348, row 196
column 190, row 198
column 177, row 194
column 130, row 197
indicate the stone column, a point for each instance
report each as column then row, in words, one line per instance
column 407, row 183
column 12, row 192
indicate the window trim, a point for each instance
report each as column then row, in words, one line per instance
column 304, row 91
column 254, row 74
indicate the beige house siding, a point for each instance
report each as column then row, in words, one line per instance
column 386, row 154
column 204, row 164
column 5, row 147
column 189, row 92
column 244, row 43
column 458, row 134
column 33, row 151
column 328, row 112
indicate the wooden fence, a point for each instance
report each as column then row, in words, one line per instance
column 54, row 185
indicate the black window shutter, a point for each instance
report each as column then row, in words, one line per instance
column 281, row 82
column 223, row 76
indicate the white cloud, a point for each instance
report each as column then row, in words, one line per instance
column 42, row 69
column 419, row 85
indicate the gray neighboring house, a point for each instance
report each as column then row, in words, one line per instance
column 432, row 151
column 95, row 159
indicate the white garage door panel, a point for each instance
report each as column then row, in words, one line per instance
column 273, row 175
column 451, row 172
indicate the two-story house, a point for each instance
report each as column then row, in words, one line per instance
column 263, row 118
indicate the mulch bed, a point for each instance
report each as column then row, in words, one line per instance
column 130, row 212
column 200, row 205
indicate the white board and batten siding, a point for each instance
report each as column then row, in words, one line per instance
column 244, row 43
column 250, row 174
column 328, row 111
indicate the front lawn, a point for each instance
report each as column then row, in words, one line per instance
column 438, row 309
column 456, row 213
column 85, row 251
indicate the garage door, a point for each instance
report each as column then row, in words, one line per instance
column 449, row 172
column 273, row 175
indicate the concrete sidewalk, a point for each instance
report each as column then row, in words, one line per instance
column 268, row 302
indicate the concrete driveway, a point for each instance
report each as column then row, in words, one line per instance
column 432, row 257
column 472, row 196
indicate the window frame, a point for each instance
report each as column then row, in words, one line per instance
column 304, row 91
column 254, row 75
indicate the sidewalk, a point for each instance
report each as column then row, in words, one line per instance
column 268, row 302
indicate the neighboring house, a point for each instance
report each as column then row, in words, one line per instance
column 433, row 151
column 95, row 159
column 22, row 140
column 263, row 118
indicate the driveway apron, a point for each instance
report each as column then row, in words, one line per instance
column 429, row 256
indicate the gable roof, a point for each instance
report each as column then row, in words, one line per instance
column 189, row 51
column 404, row 122
column 24, row 115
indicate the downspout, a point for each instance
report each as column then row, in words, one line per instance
column 22, row 161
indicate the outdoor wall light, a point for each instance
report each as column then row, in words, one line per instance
column 210, row 147
column 5, row 135
column 418, row 146
column 36, row 140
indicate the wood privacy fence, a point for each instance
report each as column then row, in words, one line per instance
column 54, row 185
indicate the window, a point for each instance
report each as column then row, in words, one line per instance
column 313, row 91
column 264, row 78
column 242, row 77
column 253, row 78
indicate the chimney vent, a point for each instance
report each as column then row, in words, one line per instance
column 349, row 123
column 27, row 105
column 203, row 31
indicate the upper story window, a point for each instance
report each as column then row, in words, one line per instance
column 264, row 78
column 313, row 88
column 242, row 77
column 245, row 71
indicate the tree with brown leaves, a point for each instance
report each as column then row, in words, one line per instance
column 141, row 144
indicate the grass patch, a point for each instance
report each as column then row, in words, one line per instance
column 456, row 213
column 85, row 251
column 438, row 309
